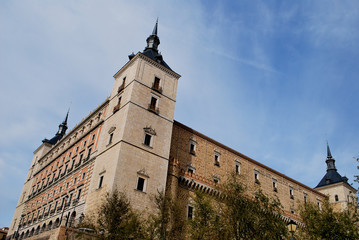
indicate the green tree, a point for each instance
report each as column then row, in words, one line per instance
column 207, row 223
column 237, row 214
column 167, row 222
column 115, row 219
column 325, row 223
column 251, row 215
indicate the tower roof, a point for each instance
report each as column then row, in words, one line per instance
column 60, row 133
column 151, row 49
column 332, row 176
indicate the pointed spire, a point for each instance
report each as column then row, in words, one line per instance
column 60, row 133
column 329, row 154
column 63, row 125
column 330, row 160
column 154, row 32
column 153, row 41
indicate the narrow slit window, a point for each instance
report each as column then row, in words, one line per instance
column 110, row 138
column 189, row 212
column 100, row 182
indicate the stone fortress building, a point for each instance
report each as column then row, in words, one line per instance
column 132, row 143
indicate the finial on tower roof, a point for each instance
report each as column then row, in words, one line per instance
column 329, row 154
column 154, row 32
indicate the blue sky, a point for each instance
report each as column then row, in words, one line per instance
column 272, row 79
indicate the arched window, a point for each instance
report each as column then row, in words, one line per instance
column 336, row 198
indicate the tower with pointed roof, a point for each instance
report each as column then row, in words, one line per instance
column 134, row 149
column 335, row 186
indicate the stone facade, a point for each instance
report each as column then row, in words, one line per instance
column 132, row 143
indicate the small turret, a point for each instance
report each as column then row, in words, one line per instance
column 332, row 176
column 60, row 133
column 151, row 49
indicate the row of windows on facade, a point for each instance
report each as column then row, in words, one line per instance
column 69, row 156
column 51, row 208
column 39, row 185
column 191, row 170
column 60, row 189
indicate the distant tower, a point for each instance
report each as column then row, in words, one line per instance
column 60, row 133
column 340, row 193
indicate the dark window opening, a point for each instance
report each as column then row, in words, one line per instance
column 110, row 139
column 100, row 182
column 140, row 184
column 147, row 141
column 189, row 212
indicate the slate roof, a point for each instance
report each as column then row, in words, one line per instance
column 332, row 176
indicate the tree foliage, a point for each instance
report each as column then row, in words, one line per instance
column 167, row 222
column 325, row 223
column 115, row 219
column 240, row 215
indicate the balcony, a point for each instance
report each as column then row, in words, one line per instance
column 120, row 88
column 153, row 109
column 116, row 108
column 156, row 88
column 75, row 202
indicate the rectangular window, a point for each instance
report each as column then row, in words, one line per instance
column 79, row 194
column 305, row 198
column 189, row 212
column 77, row 149
column 190, row 171
column 89, row 153
column 147, row 140
column 93, row 137
column 192, row 147
column 83, row 176
column 85, row 143
column 110, row 138
column 238, row 168
column 274, row 183
column 140, row 184
column 100, row 182
column 75, row 180
column 217, row 158
column 153, row 104
column 291, row 193
column 256, row 177
column 156, row 83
